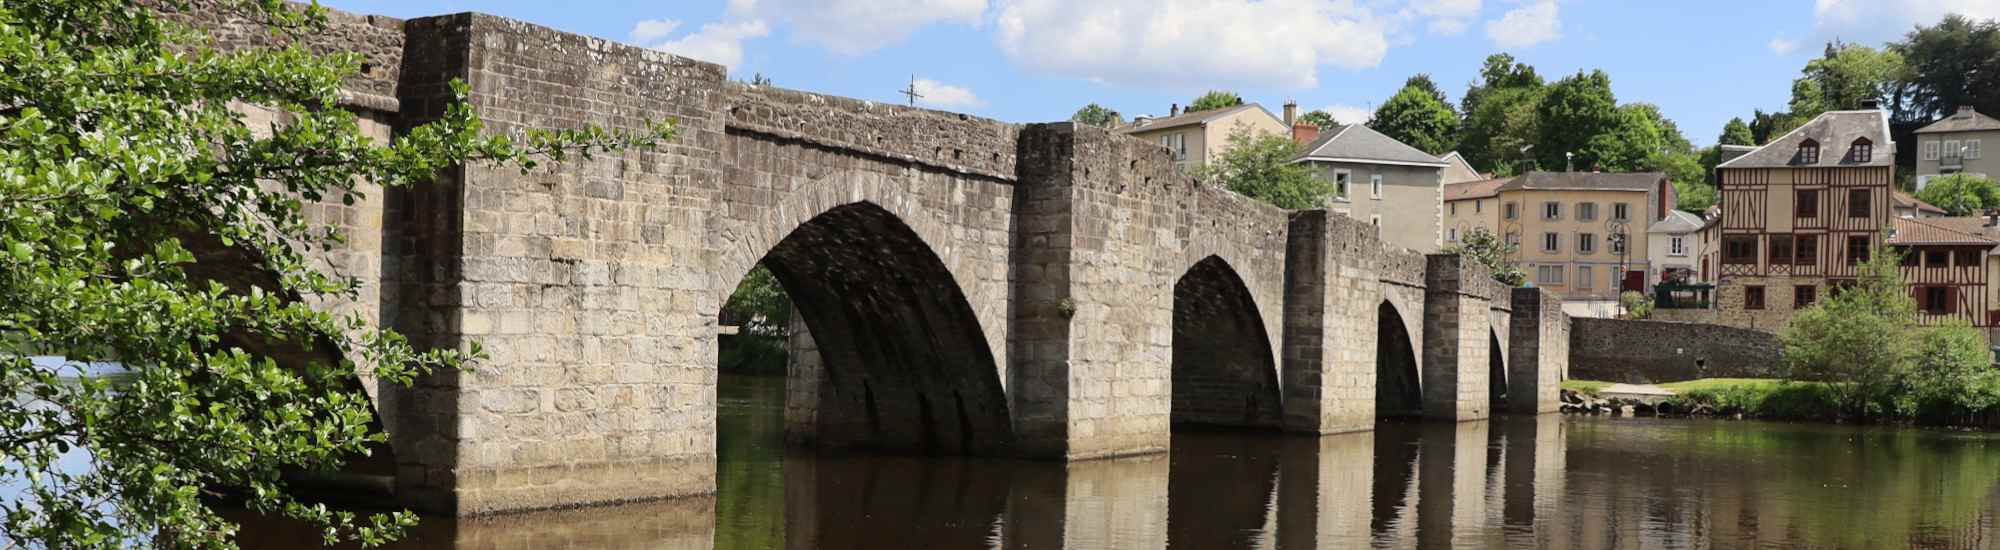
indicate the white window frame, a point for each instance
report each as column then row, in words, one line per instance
column 1478, row 205
column 1551, row 242
column 1177, row 143
column 1342, row 179
column 1929, row 149
column 1586, row 243
column 1377, row 220
column 1677, row 246
column 1549, row 274
column 1514, row 239
column 1584, row 277
column 1552, row 210
column 1972, row 149
column 1454, row 208
column 1514, row 214
column 1621, row 211
column 1951, row 146
column 1375, row 185
column 1451, row 235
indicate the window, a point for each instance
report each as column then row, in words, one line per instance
column 1549, row 275
column 1478, row 205
column 1513, row 238
column 1805, row 249
column 1753, row 297
column 1808, row 152
column 1375, row 220
column 1677, row 246
column 1511, row 211
column 1952, row 153
column 1972, row 148
column 1618, row 243
column 1803, row 296
column 1375, row 185
column 1451, row 234
column 1781, row 249
column 1936, row 300
column 1584, row 277
column 1968, row 258
column 1551, row 242
column 1857, row 203
column 1806, row 203
column 1857, row 249
column 1739, row 249
column 1177, row 143
column 1621, row 211
column 1552, row 210
column 1340, row 180
column 1862, row 150
column 1911, row 258
column 1586, row 242
column 1930, row 150
column 1586, row 211
column 1937, row 258
column 1454, row 209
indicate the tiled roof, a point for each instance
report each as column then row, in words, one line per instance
column 1965, row 120
column 1184, row 119
column 1906, row 200
column 1967, row 230
column 1473, row 189
column 1357, row 143
column 1594, row 181
column 1835, row 132
column 1677, row 221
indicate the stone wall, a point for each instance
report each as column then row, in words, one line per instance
column 1332, row 293
column 1538, row 359
column 1457, row 368
column 1649, row 352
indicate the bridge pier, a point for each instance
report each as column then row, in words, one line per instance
column 1538, row 359
column 1458, row 295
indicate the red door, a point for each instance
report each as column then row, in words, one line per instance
column 1635, row 281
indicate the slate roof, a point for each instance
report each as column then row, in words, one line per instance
column 1835, row 131
column 1455, row 162
column 1965, row 120
column 1474, row 189
column 1357, row 143
column 1906, row 200
column 1588, row 181
column 1677, row 221
column 1185, row 119
column 1965, row 230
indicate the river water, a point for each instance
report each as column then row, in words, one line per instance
column 1548, row 482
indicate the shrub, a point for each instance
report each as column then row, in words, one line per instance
column 1637, row 304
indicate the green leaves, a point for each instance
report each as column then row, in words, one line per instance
column 157, row 204
column 1489, row 250
column 1961, row 194
column 1260, row 166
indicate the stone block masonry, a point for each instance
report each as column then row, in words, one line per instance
column 962, row 285
column 1653, row 352
column 1538, row 360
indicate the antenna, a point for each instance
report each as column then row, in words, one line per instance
column 912, row 91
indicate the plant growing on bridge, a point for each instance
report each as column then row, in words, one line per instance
column 1489, row 250
column 1259, row 166
column 144, row 221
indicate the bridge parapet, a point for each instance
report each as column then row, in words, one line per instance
column 950, row 141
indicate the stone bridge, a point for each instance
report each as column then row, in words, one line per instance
column 971, row 286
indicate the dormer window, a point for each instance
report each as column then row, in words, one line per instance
column 1863, row 150
column 1809, row 152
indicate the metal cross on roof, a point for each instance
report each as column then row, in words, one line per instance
column 912, row 91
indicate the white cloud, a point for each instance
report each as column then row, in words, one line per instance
column 719, row 42
column 1868, row 20
column 854, row 27
column 1528, row 25
column 939, row 94
column 1447, row 17
column 1781, row 46
column 1191, row 43
column 1349, row 114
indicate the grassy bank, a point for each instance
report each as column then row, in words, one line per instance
column 1586, row 387
column 1760, row 398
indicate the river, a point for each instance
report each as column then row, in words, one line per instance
column 1547, row 482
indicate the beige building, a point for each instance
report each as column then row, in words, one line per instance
column 1581, row 235
column 1459, row 171
column 1201, row 135
column 1383, row 181
column 1953, row 146
column 1674, row 247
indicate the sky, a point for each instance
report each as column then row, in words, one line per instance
column 1700, row 61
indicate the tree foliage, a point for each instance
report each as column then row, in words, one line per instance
column 1736, row 133
column 1097, row 115
column 1214, row 99
column 1419, row 116
column 1259, row 166
column 1961, row 194
column 1861, row 340
column 1320, row 119
column 1498, row 111
column 1843, row 77
column 759, row 304
column 1572, row 114
column 1489, row 250
column 1951, row 64
column 144, row 221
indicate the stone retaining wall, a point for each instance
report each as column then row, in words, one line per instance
column 1650, row 352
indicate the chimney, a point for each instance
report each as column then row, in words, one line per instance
column 1993, row 217
column 1175, row 111
column 1871, row 104
column 1304, row 133
column 1291, row 113
column 1964, row 111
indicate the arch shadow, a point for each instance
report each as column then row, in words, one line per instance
column 1496, row 379
column 906, row 364
column 1398, row 388
column 1223, row 372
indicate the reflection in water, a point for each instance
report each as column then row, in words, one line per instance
column 1542, row 482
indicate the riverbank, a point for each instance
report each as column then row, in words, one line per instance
column 1758, row 398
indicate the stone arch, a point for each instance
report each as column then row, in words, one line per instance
column 1496, row 378
column 906, row 362
column 1223, row 371
column 1398, row 383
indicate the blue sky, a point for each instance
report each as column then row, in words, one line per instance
column 1701, row 61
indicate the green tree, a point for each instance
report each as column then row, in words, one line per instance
column 1489, row 250
column 1419, row 116
column 1961, row 194
column 1735, row 133
column 1765, row 127
column 1097, row 115
column 1954, row 374
column 1861, row 341
column 1953, row 63
column 1844, row 77
column 144, row 221
column 1694, row 196
column 1575, row 111
column 1501, row 90
column 1320, row 119
column 1639, row 141
column 759, row 304
column 1214, row 99
column 1259, row 166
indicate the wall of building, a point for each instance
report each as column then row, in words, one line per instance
column 1215, row 134
column 1652, row 352
column 1465, row 215
column 1604, row 264
column 1407, row 211
column 1660, row 256
column 1988, row 162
